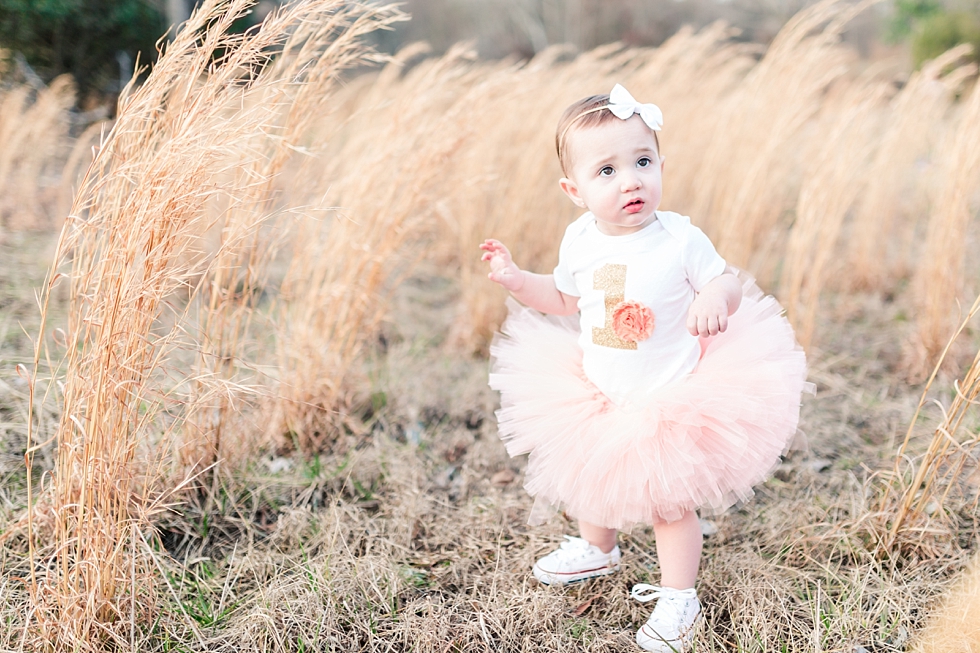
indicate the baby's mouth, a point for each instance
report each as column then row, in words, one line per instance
column 634, row 206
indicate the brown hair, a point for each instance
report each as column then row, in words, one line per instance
column 583, row 114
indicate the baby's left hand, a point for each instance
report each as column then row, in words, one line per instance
column 720, row 297
column 708, row 315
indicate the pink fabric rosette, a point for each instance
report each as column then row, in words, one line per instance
column 632, row 321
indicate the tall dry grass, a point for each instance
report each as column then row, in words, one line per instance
column 165, row 225
column 914, row 505
column 791, row 162
column 380, row 175
column 292, row 92
column 34, row 144
column 941, row 278
column 747, row 180
column 831, row 184
column 777, row 154
column 231, row 247
column 895, row 196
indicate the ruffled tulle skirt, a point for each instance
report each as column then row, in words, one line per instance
column 702, row 441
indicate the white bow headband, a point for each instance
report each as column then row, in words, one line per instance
column 622, row 105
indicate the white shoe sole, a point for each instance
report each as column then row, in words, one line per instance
column 564, row 578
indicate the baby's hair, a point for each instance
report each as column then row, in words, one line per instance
column 583, row 114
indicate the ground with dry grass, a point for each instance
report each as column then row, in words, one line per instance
column 248, row 377
column 414, row 538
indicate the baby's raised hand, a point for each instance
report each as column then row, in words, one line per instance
column 503, row 270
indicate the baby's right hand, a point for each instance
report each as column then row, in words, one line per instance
column 503, row 270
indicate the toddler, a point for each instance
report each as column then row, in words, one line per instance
column 671, row 386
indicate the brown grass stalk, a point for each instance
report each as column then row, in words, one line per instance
column 83, row 151
column 920, row 488
column 746, row 181
column 191, row 137
column 831, row 184
column 939, row 278
column 346, row 258
column 896, row 196
column 33, row 147
column 294, row 90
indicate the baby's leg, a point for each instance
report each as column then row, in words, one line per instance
column 604, row 538
column 678, row 550
column 672, row 624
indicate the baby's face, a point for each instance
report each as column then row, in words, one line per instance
column 616, row 173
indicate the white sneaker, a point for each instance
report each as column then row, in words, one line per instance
column 575, row 560
column 673, row 623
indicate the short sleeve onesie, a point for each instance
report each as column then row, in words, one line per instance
column 661, row 266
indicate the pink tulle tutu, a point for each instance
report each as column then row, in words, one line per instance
column 701, row 442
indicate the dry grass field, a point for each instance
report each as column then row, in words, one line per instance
column 248, row 375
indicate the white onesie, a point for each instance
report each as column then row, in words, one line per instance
column 661, row 265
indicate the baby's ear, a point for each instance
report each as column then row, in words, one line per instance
column 569, row 188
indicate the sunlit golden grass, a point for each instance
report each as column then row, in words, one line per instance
column 895, row 194
column 805, row 167
column 34, row 141
column 231, row 260
column 914, row 507
column 760, row 152
column 344, row 260
column 941, row 275
column 205, row 129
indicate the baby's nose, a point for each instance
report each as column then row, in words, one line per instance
column 630, row 181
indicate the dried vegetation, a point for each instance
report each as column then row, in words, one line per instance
column 250, row 407
column 34, row 144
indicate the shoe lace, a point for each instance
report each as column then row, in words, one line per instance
column 674, row 601
column 657, row 592
column 575, row 546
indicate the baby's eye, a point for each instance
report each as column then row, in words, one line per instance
column 605, row 172
column 643, row 162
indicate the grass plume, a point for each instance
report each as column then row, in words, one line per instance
column 33, row 146
column 196, row 134
column 940, row 276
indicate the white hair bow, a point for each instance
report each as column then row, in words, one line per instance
column 622, row 105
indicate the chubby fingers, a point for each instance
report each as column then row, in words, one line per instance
column 705, row 325
column 722, row 323
column 493, row 248
column 692, row 323
column 490, row 248
column 491, row 244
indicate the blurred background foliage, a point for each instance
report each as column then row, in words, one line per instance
column 500, row 28
column 942, row 30
column 97, row 41
column 932, row 27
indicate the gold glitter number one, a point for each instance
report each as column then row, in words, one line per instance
column 611, row 279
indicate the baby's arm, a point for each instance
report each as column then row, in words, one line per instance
column 720, row 297
column 535, row 290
